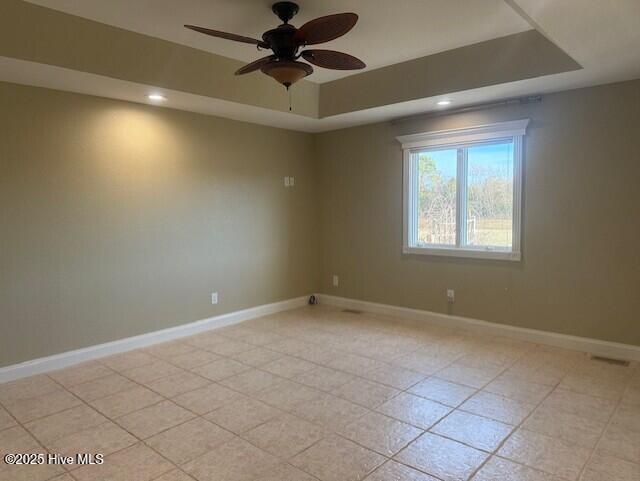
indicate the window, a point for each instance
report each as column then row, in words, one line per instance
column 462, row 191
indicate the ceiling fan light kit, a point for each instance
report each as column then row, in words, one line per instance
column 286, row 41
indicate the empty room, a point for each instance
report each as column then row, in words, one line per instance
column 329, row 240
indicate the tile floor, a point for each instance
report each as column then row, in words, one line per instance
column 319, row 394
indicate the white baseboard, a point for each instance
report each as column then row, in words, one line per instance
column 597, row 347
column 69, row 358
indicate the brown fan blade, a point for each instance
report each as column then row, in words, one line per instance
column 228, row 36
column 327, row 28
column 255, row 65
column 332, row 59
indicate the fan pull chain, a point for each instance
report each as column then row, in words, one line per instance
column 289, row 90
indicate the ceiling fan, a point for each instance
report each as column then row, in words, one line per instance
column 286, row 40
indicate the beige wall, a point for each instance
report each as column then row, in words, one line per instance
column 118, row 219
column 581, row 269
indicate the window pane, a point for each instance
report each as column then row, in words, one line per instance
column 490, row 195
column 436, row 200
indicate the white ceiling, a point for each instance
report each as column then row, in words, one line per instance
column 388, row 31
column 603, row 36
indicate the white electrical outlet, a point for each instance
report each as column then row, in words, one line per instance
column 451, row 296
column 292, row 181
column 336, row 281
column 287, row 182
column 214, row 298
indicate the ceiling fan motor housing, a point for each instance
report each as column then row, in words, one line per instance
column 281, row 40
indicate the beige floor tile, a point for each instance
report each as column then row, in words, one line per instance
column 104, row 439
column 628, row 415
column 153, row 419
column 17, row 440
column 257, row 357
column 67, row 422
column 594, row 386
column 236, row 331
column 288, row 366
column 476, row 431
column 287, row 395
column 365, row 393
column 84, row 372
column 444, row 392
column 603, row 370
column 320, row 355
column 476, row 377
column 323, row 378
column 285, row 436
column 125, row 402
column 632, row 396
column 549, row 375
column 622, row 442
column 6, row 421
column 392, row 471
column 414, row 410
column 27, row 388
column 424, row 362
column 354, row 364
column 101, row 387
column 284, row 472
column 63, row 477
column 497, row 407
column 607, row 468
column 176, row 384
column 135, row 463
column 518, row 389
column 128, row 360
column 487, row 357
column 551, row 455
column 151, row 372
column 574, row 429
column 394, row 376
column 40, row 406
column 34, row 472
column 251, row 382
column 337, row 459
column 443, row 458
column 230, row 347
column 380, row 433
column 189, row 440
column 243, row 415
column 329, row 411
column 193, row 359
column 167, row 350
column 318, row 365
column 175, row 475
column 290, row 346
column 236, row 460
column 581, row 405
column 260, row 338
column 498, row 469
column 221, row 369
column 208, row 398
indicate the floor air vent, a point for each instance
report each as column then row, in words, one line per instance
column 617, row 362
column 352, row 311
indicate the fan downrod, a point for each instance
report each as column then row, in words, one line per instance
column 285, row 10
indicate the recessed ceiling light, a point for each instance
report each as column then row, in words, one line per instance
column 444, row 103
column 156, row 97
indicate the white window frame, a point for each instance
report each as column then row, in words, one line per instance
column 455, row 138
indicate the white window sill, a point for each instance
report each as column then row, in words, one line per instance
column 464, row 253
